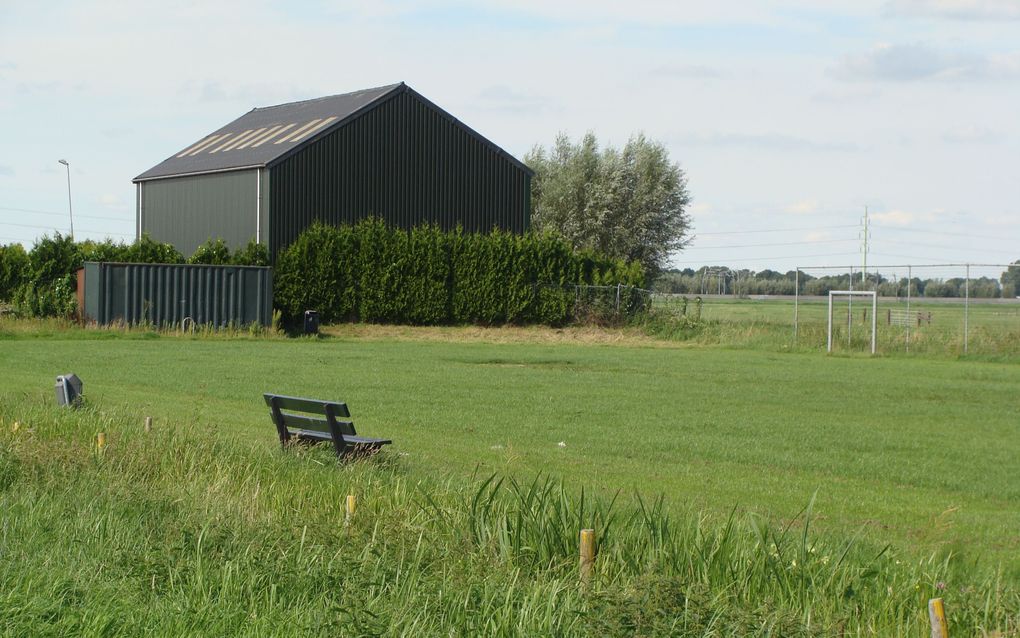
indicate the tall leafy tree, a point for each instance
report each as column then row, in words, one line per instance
column 628, row 203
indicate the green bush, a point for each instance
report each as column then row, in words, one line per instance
column 47, row 299
column 426, row 293
column 15, row 270
column 49, row 288
column 103, row 251
column 213, row 252
column 53, row 258
column 319, row 271
column 254, row 254
column 148, row 251
column 425, row 276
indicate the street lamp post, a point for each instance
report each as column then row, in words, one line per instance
column 70, row 213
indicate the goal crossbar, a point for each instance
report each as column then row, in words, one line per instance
column 874, row 313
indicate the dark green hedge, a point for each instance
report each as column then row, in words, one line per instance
column 371, row 272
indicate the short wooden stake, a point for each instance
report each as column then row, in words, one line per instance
column 587, row 564
column 937, row 616
column 101, row 442
column 349, row 515
column 148, row 424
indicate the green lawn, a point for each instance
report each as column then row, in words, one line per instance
column 918, row 453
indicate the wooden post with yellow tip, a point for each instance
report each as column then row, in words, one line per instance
column 148, row 424
column 101, row 442
column 937, row 616
column 587, row 561
column 349, row 513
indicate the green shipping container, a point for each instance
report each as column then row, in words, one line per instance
column 167, row 294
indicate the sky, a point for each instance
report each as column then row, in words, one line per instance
column 788, row 117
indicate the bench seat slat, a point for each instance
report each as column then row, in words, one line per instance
column 356, row 440
column 313, row 406
column 296, row 421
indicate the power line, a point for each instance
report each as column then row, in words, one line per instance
column 774, row 258
column 792, row 243
column 53, row 228
column 914, row 243
column 50, row 212
column 773, row 230
column 962, row 261
column 948, row 234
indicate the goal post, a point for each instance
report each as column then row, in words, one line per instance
column 850, row 294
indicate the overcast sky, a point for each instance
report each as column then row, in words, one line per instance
column 789, row 117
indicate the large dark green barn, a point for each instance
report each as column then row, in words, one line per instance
column 386, row 151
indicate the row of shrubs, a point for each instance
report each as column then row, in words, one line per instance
column 364, row 272
column 41, row 282
column 374, row 273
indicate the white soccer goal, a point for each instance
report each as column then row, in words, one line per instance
column 851, row 294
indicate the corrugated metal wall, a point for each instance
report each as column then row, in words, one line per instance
column 403, row 161
column 164, row 294
column 188, row 211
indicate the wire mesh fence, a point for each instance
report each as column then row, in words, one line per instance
column 942, row 308
column 609, row 305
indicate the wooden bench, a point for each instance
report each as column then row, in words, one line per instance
column 331, row 422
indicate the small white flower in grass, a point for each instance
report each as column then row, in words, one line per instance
column 562, row 444
column 496, row 447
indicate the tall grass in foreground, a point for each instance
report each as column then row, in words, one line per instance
column 181, row 531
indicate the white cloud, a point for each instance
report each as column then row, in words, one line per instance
column 846, row 95
column 905, row 218
column 688, row 71
column 916, row 62
column 804, row 207
column 501, row 97
column 972, row 135
column 1006, row 220
column 112, row 201
column 956, row 9
column 769, row 141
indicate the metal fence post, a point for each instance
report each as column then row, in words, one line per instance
column 796, row 305
column 910, row 320
column 966, row 310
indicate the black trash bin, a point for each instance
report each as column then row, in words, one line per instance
column 311, row 322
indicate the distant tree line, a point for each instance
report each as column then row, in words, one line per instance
column 743, row 282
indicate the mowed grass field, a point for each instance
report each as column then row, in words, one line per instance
column 916, row 453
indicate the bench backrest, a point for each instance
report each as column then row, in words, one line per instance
column 293, row 412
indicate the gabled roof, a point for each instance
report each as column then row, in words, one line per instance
column 263, row 136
